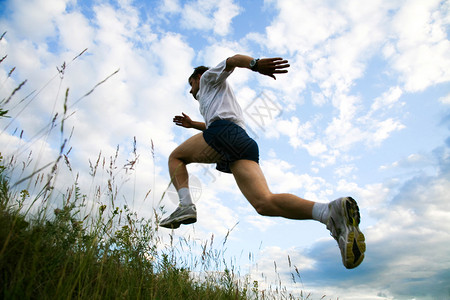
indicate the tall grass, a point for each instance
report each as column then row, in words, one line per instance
column 114, row 255
column 76, row 246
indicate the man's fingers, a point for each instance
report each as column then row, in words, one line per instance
column 280, row 62
column 183, row 120
column 277, row 61
column 180, row 117
column 280, row 71
column 270, row 66
column 281, row 65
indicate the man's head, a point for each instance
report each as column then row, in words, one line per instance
column 194, row 80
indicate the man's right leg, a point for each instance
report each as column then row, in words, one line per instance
column 193, row 150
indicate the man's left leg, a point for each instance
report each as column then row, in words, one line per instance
column 252, row 183
column 341, row 217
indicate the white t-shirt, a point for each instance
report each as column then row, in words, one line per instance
column 217, row 99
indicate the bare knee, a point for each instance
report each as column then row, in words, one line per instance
column 177, row 158
column 173, row 156
column 264, row 205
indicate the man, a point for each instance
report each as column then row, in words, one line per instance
column 223, row 141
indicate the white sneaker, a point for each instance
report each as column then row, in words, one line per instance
column 343, row 225
column 181, row 215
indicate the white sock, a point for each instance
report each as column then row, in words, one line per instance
column 320, row 212
column 185, row 197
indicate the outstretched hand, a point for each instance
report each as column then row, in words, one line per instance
column 271, row 66
column 184, row 121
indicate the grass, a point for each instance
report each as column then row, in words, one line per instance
column 91, row 248
column 65, row 255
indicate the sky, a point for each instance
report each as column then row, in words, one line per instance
column 364, row 112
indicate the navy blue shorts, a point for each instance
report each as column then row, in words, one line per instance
column 231, row 142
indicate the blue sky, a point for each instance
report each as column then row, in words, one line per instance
column 364, row 111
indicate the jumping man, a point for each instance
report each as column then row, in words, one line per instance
column 224, row 141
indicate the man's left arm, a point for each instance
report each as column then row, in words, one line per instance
column 265, row 66
column 186, row 121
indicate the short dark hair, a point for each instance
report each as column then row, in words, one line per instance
column 198, row 71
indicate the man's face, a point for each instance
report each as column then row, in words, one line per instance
column 195, row 85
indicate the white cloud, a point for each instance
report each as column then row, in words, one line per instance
column 195, row 16
column 369, row 197
column 333, row 40
column 445, row 100
column 170, row 6
column 226, row 11
column 345, row 131
column 260, row 222
column 316, row 148
column 341, row 134
column 40, row 13
column 290, row 128
column 210, row 15
column 419, row 212
column 387, row 99
column 346, row 171
column 384, row 128
column 336, row 43
column 414, row 160
column 420, row 47
column 302, row 135
column 215, row 217
column 286, row 33
column 282, row 177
